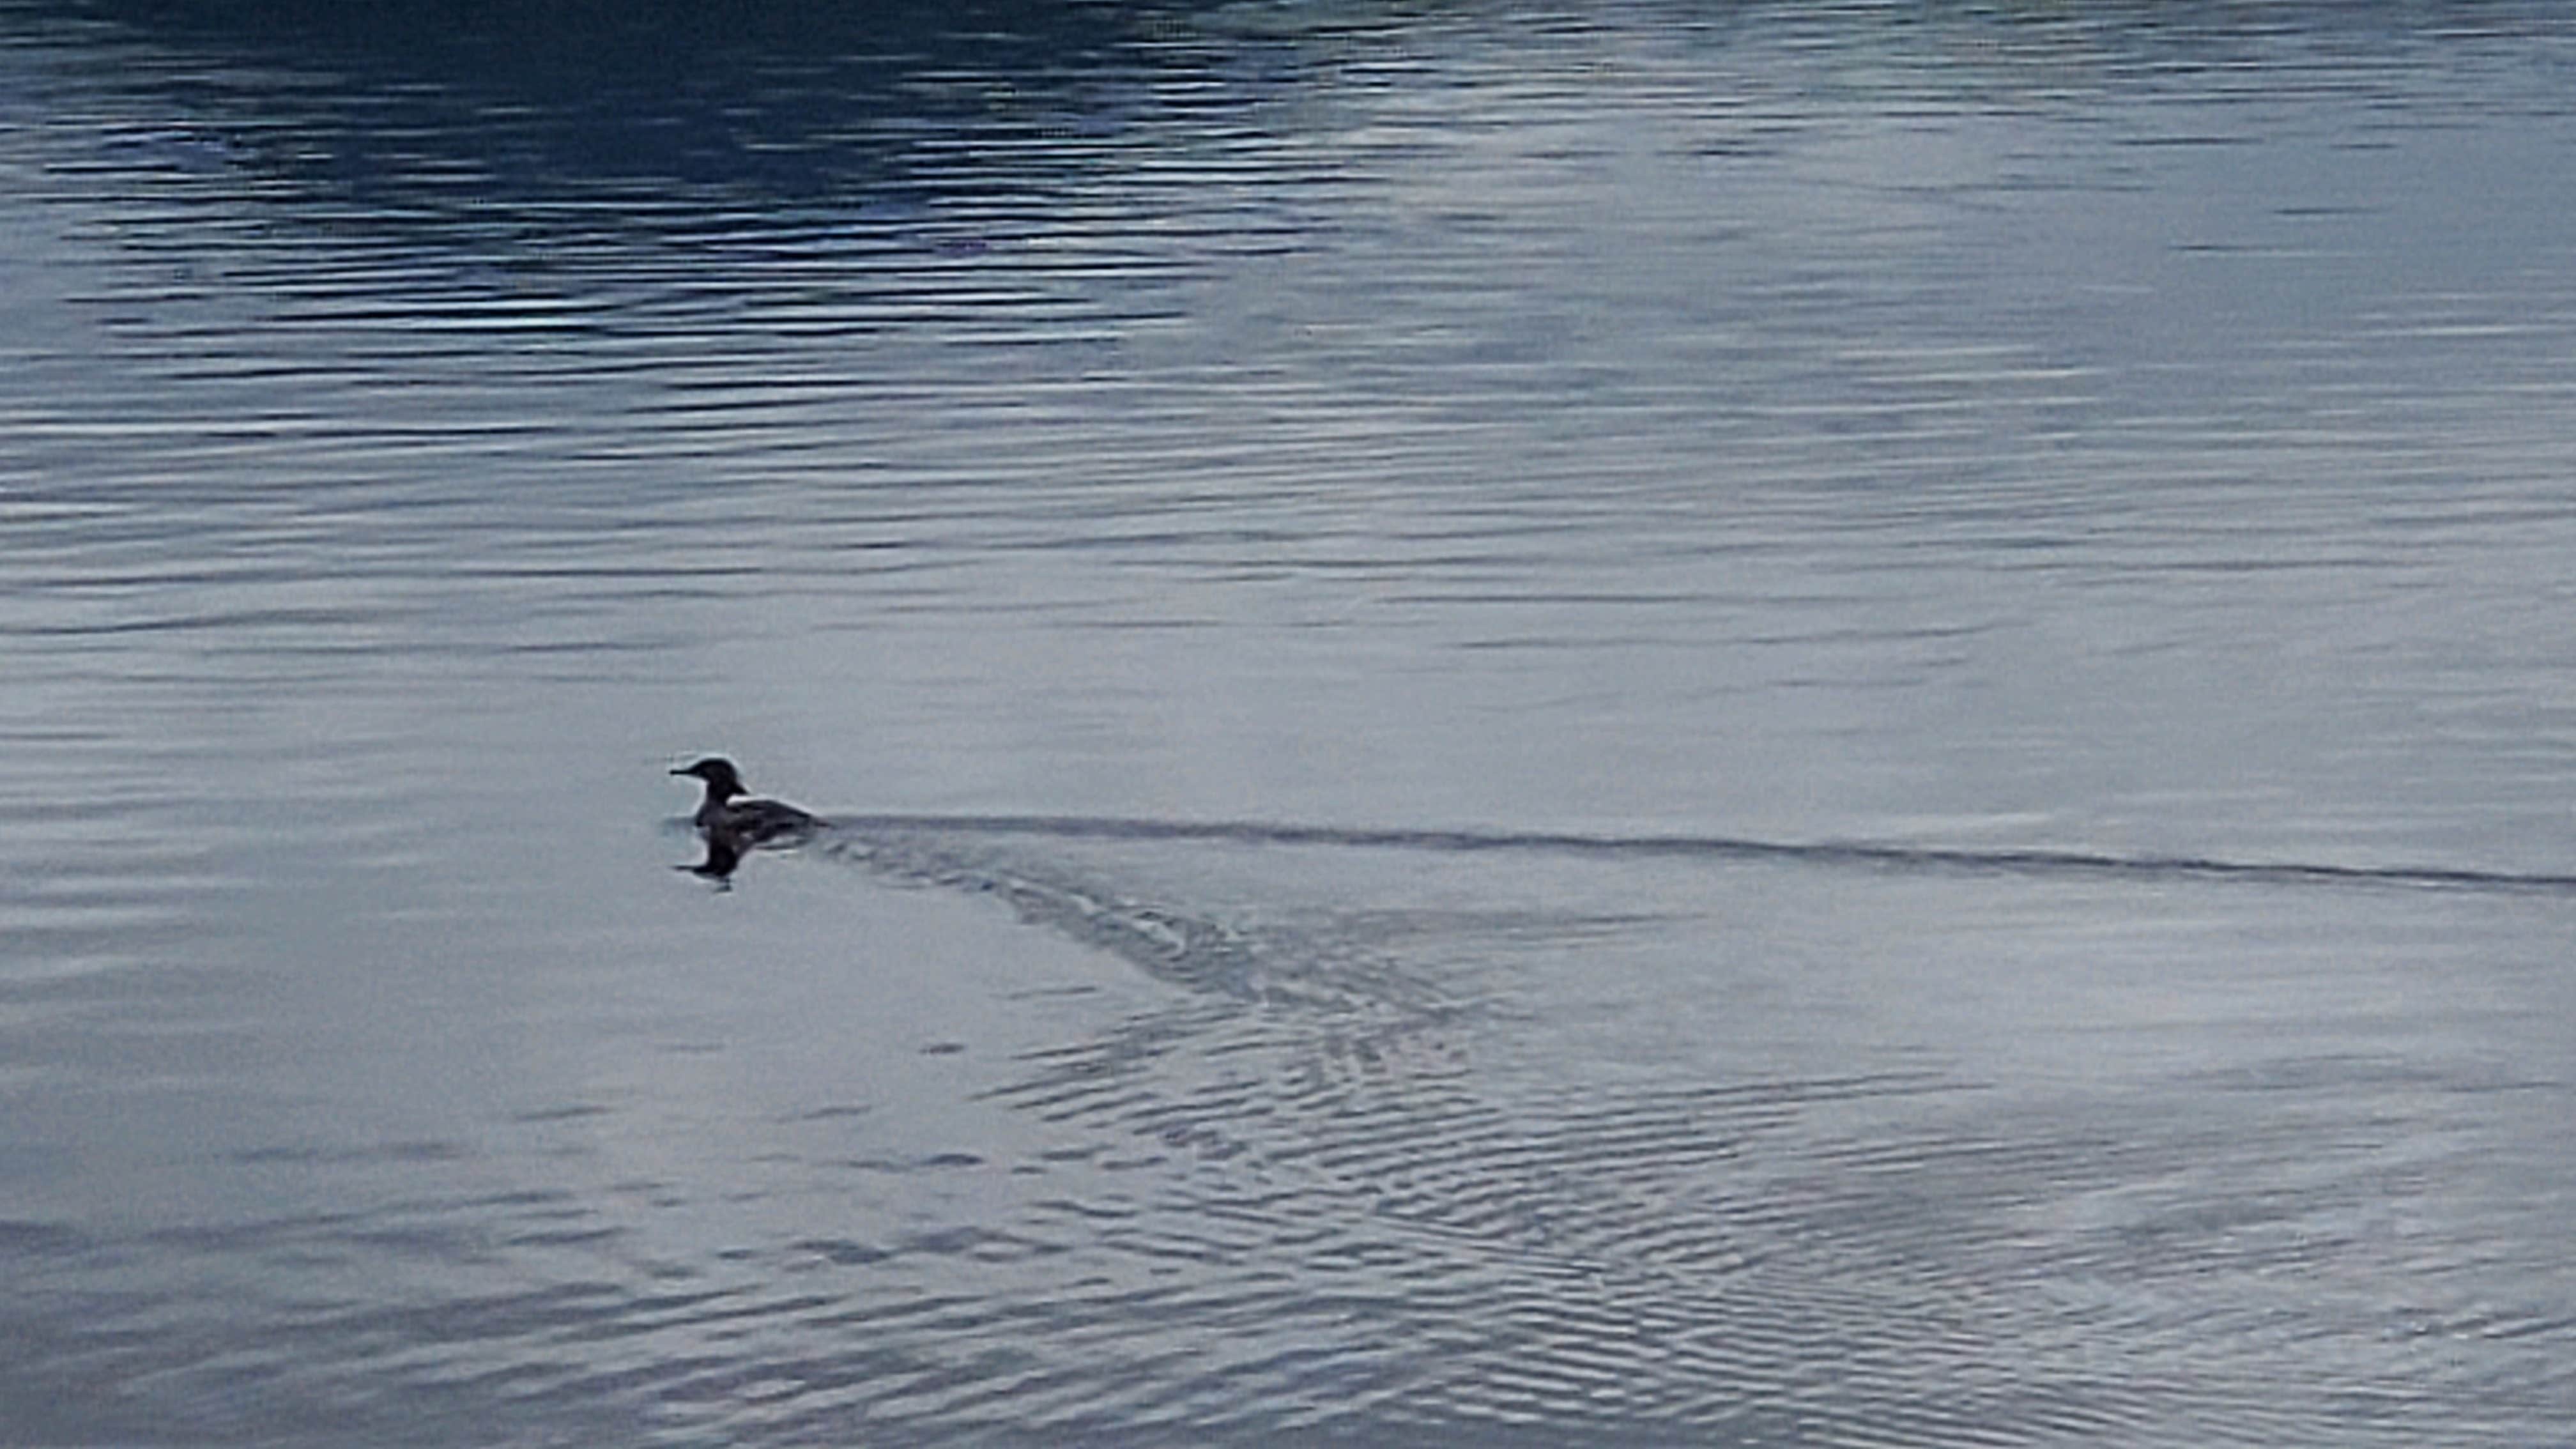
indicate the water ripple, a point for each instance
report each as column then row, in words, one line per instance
column 1724, row 847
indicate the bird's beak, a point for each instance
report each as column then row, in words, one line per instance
column 679, row 769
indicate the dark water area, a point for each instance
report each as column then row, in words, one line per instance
column 1636, row 724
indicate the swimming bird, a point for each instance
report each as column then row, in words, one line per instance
column 738, row 823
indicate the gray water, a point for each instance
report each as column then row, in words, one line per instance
column 1644, row 724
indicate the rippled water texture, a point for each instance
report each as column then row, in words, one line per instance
column 1651, row 724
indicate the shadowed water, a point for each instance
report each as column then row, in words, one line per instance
column 1770, row 724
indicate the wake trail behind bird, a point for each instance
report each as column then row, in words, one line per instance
column 1723, row 847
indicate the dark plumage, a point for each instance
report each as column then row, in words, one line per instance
column 740, row 823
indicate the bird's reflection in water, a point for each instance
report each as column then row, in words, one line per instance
column 724, row 856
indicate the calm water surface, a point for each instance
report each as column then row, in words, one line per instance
column 1649, row 724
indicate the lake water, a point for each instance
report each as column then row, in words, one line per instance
column 1780, row 724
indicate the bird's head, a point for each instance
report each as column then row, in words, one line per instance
column 718, row 772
